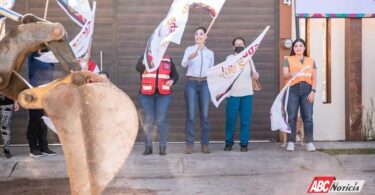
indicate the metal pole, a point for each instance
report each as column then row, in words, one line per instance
column 101, row 60
column 2, row 30
column 296, row 20
column 297, row 28
column 46, row 10
column 10, row 14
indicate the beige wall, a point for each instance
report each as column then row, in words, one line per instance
column 368, row 61
column 329, row 119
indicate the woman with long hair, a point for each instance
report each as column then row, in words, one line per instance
column 197, row 59
column 301, row 93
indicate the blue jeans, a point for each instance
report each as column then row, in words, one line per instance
column 197, row 90
column 298, row 99
column 235, row 105
column 154, row 113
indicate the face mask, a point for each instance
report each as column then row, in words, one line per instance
column 238, row 49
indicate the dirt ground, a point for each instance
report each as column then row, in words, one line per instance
column 55, row 187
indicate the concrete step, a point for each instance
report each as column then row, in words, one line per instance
column 261, row 158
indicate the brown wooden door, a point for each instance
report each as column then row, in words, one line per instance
column 123, row 27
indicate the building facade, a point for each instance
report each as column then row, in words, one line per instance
column 123, row 27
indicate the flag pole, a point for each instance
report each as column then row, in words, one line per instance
column 210, row 26
column 93, row 10
column 2, row 28
column 46, row 10
column 101, row 60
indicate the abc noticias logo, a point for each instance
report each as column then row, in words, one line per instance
column 325, row 184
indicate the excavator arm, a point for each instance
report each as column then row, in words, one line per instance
column 31, row 35
column 92, row 116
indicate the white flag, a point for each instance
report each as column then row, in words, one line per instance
column 49, row 124
column 212, row 6
column 80, row 44
column 220, row 78
column 279, row 113
column 78, row 10
column 170, row 29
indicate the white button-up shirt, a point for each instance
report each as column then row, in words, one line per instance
column 198, row 66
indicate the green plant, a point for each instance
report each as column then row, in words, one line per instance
column 368, row 125
column 348, row 151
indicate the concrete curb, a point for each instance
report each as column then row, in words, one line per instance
column 262, row 158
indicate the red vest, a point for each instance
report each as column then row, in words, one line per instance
column 91, row 65
column 159, row 77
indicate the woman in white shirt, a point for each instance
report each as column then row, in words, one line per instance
column 197, row 59
column 240, row 100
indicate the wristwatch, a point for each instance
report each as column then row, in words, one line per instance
column 313, row 90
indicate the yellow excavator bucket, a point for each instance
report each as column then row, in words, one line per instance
column 96, row 122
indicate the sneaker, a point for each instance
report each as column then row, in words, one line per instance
column 310, row 147
column 290, row 146
column 7, row 153
column 227, row 147
column 36, row 153
column 49, row 152
column 189, row 149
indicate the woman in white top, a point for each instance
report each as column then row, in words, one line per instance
column 197, row 59
column 240, row 100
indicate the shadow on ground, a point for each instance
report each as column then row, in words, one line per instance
column 55, row 186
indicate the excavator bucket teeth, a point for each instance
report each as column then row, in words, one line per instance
column 97, row 125
column 64, row 54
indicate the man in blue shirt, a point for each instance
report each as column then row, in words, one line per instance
column 40, row 73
